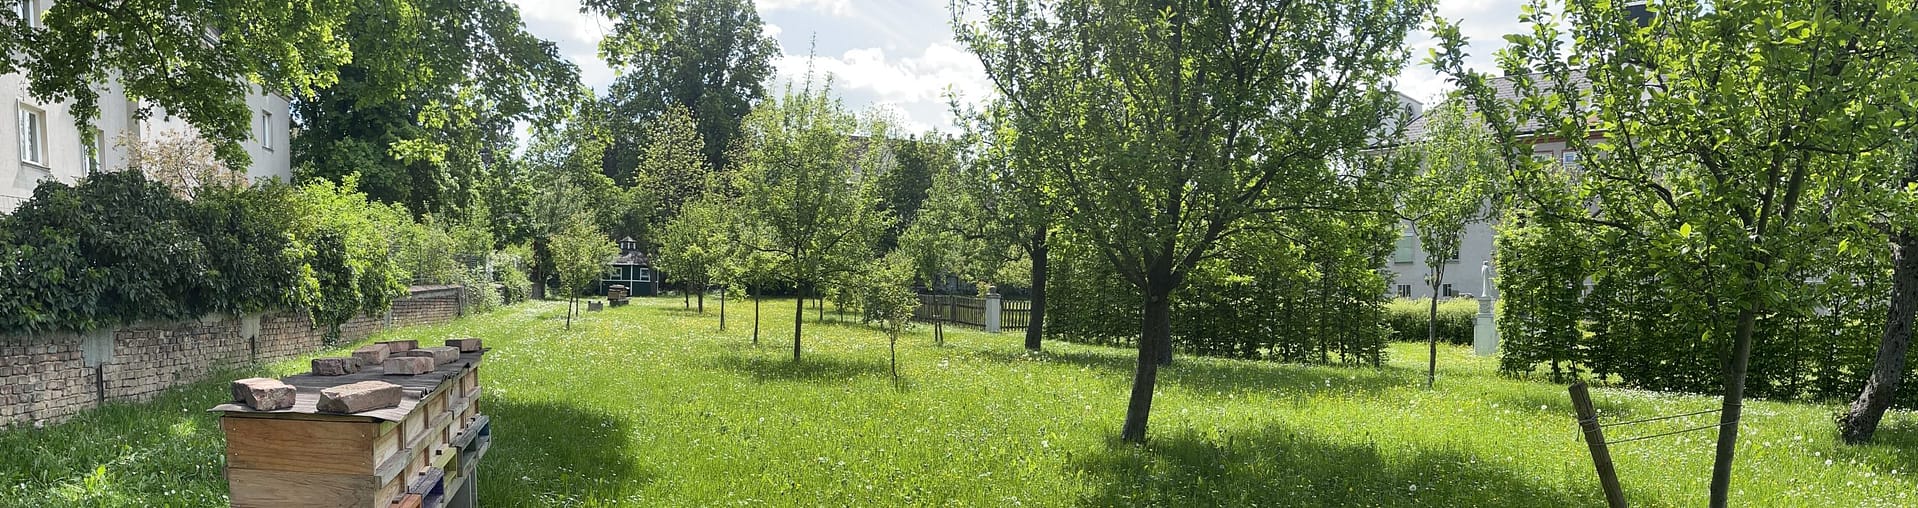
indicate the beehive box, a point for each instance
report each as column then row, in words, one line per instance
column 301, row 457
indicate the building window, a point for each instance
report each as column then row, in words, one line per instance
column 28, row 11
column 1405, row 290
column 1446, row 290
column 1407, row 249
column 1569, row 160
column 645, row 274
column 266, row 130
column 33, row 135
column 92, row 149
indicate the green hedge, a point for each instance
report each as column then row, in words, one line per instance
column 117, row 248
column 1407, row 318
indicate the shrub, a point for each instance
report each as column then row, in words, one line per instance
column 354, row 244
column 509, row 266
column 1408, row 318
column 115, row 248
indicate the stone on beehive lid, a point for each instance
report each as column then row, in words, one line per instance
column 407, row 365
column 264, row 394
column 359, row 397
column 441, row 355
column 335, row 366
column 396, row 346
column 466, row 345
column 371, row 354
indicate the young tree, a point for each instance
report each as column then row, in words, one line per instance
column 580, row 253
column 887, row 299
column 695, row 244
column 1173, row 123
column 800, row 186
column 1714, row 166
column 1450, row 191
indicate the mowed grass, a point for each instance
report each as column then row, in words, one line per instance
column 650, row 405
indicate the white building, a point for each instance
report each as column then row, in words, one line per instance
column 46, row 142
column 1407, row 265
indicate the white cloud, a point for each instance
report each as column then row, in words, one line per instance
column 577, row 35
column 833, row 7
column 916, row 87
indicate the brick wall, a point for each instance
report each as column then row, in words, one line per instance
column 45, row 378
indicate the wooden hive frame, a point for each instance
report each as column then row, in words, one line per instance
column 300, row 457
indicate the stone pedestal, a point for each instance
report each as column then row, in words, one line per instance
column 1485, row 329
column 992, row 312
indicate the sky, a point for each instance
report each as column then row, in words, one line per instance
column 900, row 54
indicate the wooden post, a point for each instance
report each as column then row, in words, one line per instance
column 1595, row 440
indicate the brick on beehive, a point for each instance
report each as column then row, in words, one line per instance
column 408, row 365
column 396, row 346
column 264, row 394
column 372, row 354
column 441, row 355
column 466, row 345
column 359, row 397
column 335, row 366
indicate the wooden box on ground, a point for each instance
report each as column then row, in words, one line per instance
column 429, row 445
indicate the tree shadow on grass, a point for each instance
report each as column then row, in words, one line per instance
column 552, row 454
column 1277, row 466
column 811, row 368
column 1893, row 448
column 1209, row 375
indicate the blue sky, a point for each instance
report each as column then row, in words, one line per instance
column 900, row 54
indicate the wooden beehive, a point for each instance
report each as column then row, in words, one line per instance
column 422, row 451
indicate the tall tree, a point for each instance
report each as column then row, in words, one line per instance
column 193, row 59
column 1175, row 121
column 1450, row 190
column 433, row 86
column 800, row 185
column 695, row 245
column 1888, row 370
column 1014, row 211
column 1723, row 123
column 711, row 57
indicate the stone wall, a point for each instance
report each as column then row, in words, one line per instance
column 45, row 378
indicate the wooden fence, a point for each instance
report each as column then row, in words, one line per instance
column 971, row 311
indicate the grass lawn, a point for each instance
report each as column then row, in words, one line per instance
column 650, row 405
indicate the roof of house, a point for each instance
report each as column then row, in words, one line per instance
column 634, row 258
column 1504, row 88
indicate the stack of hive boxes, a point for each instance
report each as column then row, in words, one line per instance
column 419, row 452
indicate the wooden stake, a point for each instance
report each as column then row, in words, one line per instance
column 1595, row 439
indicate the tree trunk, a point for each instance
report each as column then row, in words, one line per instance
column 1734, row 404
column 893, row 348
column 1036, row 318
column 1431, row 327
column 722, row 311
column 571, row 303
column 799, row 320
column 702, row 298
column 819, row 305
column 755, row 315
column 1888, row 371
column 539, row 272
column 1155, row 335
column 686, row 297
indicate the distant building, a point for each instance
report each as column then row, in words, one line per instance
column 633, row 269
column 1476, row 245
column 47, row 145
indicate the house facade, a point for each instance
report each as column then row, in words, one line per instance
column 44, row 143
column 1410, row 274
